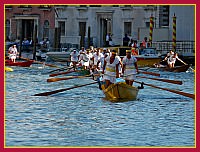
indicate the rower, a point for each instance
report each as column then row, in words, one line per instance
column 130, row 68
column 102, row 57
column 96, row 58
column 74, row 58
column 169, row 58
column 172, row 60
column 13, row 53
column 111, row 68
column 85, row 59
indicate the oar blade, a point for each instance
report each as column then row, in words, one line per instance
column 61, row 90
column 49, row 93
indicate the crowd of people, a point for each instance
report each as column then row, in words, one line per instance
column 28, row 42
column 134, row 43
column 108, row 62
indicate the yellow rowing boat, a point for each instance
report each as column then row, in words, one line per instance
column 120, row 92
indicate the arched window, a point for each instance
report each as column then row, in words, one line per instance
column 46, row 28
column 7, row 28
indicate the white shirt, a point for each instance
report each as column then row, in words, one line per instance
column 84, row 57
column 97, row 57
column 81, row 51
column 74, row 56
column 130, row 65
column 111, row 67
column 13, row 51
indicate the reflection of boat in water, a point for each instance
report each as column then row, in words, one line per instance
column 182, row 68
column 19, row 63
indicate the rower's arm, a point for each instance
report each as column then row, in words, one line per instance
column 123, row 68
column 104, row 66
column 117, row 70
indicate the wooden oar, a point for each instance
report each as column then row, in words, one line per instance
column 67, row 78
column 27, row 59
column 61, row 90
column 50, row 65
column 163, row 80
column 150, row 73
column 170, row 90
column 64, row 68
column 61, row 69
column 186, row 64
column 55, row 74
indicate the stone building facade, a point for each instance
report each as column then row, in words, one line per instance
column 22, row 21
column 79, row 24
column 95, row 21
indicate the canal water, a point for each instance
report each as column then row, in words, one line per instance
column 82, row 117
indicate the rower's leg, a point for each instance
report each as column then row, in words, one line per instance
column 131, row 82
column 127, row 82
column 74, row 65
column 107, row 83
column 172, row 65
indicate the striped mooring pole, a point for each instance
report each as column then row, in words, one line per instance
column 174, row 33
column 151, row 30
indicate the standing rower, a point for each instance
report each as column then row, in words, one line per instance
column 74, row 58
column 111, row 68
column 96, row 58
column 85, row 59
column 129, row 67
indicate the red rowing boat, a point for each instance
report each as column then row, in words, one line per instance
column 22, row 63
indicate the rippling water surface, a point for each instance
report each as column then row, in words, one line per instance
column 82, row 117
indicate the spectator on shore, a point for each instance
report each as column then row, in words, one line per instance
column 25, row 42
column 126, row 40
column 145, row 43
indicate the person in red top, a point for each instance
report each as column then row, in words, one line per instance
column 144, row 42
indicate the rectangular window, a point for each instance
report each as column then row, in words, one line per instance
column 7, row 28
column 82, row 31
column 61, row 25
column 147, row 24
column 82, row 28
column 127, row 28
